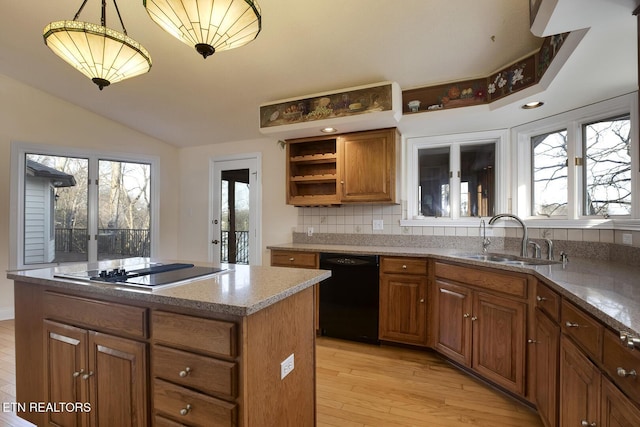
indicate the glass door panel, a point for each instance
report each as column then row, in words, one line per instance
column 55, row 209
column 124, row 209
column 234, row 224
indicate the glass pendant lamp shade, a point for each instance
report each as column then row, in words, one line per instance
column 104, row 55
column 208, row 25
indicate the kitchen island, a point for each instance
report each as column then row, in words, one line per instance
column 236, row 348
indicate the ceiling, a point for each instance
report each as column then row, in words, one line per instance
column 308, row 47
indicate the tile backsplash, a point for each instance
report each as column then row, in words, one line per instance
column 349, row 224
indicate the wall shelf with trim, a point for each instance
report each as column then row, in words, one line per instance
column 366, row 107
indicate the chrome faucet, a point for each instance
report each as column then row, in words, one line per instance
column 525, row 234
column 537, row 253
column 550, row 251
column 485, row 240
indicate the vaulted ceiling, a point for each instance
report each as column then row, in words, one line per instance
column 307, row 47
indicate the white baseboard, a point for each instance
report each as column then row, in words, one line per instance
column 6, row 313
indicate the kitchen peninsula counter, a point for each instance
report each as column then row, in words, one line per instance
column 236, row 348
column 609, row 291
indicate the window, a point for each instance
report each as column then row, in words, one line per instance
column 550, row 173
column 580, row 165
column 80, row 207
column 607, row 167
column 454, row 176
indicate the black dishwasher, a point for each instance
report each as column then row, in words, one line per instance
column 349, row 298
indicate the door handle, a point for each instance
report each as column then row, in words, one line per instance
column 215, row 242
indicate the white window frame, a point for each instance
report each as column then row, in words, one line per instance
column 16, row 217
column 573, row 122
column 455, row 141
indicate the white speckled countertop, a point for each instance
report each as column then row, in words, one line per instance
column 609, row 291
column 239, row 290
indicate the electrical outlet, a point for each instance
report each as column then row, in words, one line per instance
column 286, row 366
column 627, row 239
column 309, row 231
column 378, row 224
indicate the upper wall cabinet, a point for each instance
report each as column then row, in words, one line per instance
column 358, row 167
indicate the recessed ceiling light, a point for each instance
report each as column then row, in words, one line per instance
column 329, row 130
column 533, row 104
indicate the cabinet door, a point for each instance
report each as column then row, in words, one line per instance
column 403, row 308
column 118, row 381
column 368, row 166
column 617, row 409
column 65, row 350
column 545, row 368
column 453, row 307
column 579, row 387
column 498, row 340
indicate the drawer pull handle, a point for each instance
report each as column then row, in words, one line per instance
column 185, row 411
column 540, row 299
column 404, row 266
column 585, row 423
column 185, row 372
column 474, row 318
column 87, row 376
column 78, row 373
column 292, row 259
column 466, row 315
column 530, row 341
column 624, row 373
column 422, row 300
column 571, row 325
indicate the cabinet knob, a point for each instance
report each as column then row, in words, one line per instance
column 530, row 341
column 474, row 318
column 184, row 411
column 571, row 325
column 185, row 372
column 78, row 373
column 87, row 376
column 422, row 300
column 624, row 373
column 292, row 259
column 540, row 299
column 585, row 423
column 404, row 267
column 466, row 315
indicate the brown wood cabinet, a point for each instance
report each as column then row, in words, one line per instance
column 170, row 366
column 299, row 259
column 403, row 300
column 109, row 373
column 544, row 369
column 480, row 324
column 360, row 167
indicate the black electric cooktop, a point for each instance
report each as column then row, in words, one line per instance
column 148, row 275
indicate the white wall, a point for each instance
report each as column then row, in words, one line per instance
column 29, row 115
column 278, row 218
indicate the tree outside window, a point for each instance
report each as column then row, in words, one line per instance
column 550, row 174
column 607, row 167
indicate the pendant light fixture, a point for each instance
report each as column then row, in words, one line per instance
column 104, row 55
column 208, row 25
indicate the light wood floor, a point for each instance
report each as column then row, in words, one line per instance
column 360, row 385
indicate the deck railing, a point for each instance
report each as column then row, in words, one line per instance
column 120, row 242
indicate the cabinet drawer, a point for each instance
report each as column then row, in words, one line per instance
column 213, row 337
column 583, row 328
column 194, row 371
column 294, row 259
column 509, row 284
column 403, row 265
column 548, row 301
column 192, row 408
column 166, row 422
column 620, row 362
column 99, row 315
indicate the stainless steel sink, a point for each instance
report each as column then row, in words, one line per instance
column 507, row 259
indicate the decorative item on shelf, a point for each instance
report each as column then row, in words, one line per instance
column 414, row 105
column 104, row 55
column 512, row 78
column 208, row 25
